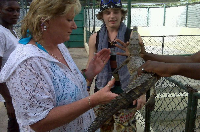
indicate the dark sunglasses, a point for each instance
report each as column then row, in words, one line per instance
column 108, row 1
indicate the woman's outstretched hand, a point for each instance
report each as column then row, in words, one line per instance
column 104, row 95
column 97, row 63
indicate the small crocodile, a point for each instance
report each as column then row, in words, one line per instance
column 138, row 85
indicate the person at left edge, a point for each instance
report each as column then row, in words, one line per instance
column 9, row 15
column 49, row 92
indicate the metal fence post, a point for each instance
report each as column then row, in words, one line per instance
column 186, row 21
column 148, row 16
column 164, row 15
column 163, row 44
column 129, row 14
column 191, row 110
column 147, row 115
column 188, row 110
column 94, row 16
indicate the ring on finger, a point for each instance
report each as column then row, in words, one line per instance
column 143, row 70
column 108, row 85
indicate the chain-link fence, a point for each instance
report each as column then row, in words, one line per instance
column 173, row 101
column 179, row 16
column 149, row 15
column 174, row 110
column 172, row 44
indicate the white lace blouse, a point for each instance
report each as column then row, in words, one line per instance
column 38, row 82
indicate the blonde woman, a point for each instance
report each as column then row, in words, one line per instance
column 49, row 92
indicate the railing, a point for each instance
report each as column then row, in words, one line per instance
column 176, row 107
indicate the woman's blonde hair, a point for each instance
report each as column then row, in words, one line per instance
column 100, row 14
column 43, row 10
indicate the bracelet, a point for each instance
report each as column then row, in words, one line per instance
column 89, row 103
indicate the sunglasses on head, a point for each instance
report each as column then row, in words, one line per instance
column 108, row 1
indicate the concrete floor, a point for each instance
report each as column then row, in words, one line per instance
column 3, row 118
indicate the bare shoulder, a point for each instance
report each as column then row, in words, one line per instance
column 94, row 35
column 92, row 40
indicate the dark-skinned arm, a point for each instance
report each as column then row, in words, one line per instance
column 195, row 58
column 6, row 95
column 163, row 69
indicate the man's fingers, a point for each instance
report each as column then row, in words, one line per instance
column 121, row 47
column 121, row 42
column 123, row 54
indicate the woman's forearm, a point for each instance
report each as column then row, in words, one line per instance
column 61, row 115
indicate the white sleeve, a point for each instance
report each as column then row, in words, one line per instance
column 31, row 90
column 2, row 44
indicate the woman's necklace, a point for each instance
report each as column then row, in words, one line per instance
column 42, row 48
column 59, row 58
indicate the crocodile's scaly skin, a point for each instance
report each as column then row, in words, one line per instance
column 138, row 85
